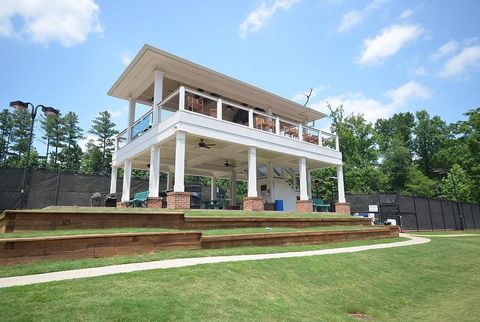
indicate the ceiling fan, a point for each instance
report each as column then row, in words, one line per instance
column 203, row 145
column 228, row 164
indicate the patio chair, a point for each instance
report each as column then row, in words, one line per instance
column 140, row 200
column 320, row 204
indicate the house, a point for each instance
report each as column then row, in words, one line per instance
column 203, row 123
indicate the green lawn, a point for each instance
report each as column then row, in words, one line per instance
column 438, row 281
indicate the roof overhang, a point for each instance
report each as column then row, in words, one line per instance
column 139, row 76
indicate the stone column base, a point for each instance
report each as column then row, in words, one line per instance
column 154, row 202
column 178, row 200
column 253, row 204
column 342, row 208
column 304, row 206
column 121, row 204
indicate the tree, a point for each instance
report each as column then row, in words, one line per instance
column 396, row 165
column 457, row 185
column 6, row 126
column 20, row 135
column 49, row 125
column 398, row 128
column 419, row 184
column 71, row 154
column 92, row 159
column 104, row 129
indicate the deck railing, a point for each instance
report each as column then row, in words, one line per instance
column 222, row 109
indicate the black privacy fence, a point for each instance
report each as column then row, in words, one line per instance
column 418, row 213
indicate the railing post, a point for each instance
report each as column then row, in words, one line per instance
column 300, row 132
column 250, row 118
column 219, row 109
column 320, row 138
column 181, row 98
column 277, row 125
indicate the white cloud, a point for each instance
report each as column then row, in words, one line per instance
column 262, row 14
column 406, row 14
column 300, row 97
column 372, row 108
column 387, row 43
column 355, row 17
column 45, row 21
column 446, row 49
column 126, row 58
column 420, row 71
column 460, row 64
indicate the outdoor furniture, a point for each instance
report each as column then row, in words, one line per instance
column 310, row 138
column 291, row 131
column 195, row 104
column 264, row 124
column 320, row 204
column 140, row 200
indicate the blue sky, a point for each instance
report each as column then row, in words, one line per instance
column 377, row 57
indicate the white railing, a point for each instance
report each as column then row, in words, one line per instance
column 216, row 107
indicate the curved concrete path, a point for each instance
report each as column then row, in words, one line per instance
column 447, row 236
column 182, row 262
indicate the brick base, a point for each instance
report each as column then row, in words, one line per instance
column 154, row 202
column 121, row 204
column 304, row 206
column 178, row 200
column 342, row 208
column 253, row 204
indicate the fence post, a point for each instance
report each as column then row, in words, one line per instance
column 443, row 215
column 430, row 213
column 473, row 216
column 415, row 209
column 454, row 219
column 59, row 176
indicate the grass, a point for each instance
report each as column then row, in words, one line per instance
column 438, row 281
column 54, row 266
column 204, row 212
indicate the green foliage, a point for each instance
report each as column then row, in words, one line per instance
column 397, row 129
column 419, row 184
column 92, row 162
column 457, row 185
column 6, row 127
column 104, row 129
column 396, row 164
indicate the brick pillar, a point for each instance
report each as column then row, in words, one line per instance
column 342, row 208
column 154, row 202
column 304, row 206
column 178, row 200
column 253, row 204
column 120, row 204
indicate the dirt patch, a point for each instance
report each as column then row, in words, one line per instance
column 359, row 316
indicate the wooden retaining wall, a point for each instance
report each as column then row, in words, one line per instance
column 252, row 222
column 298, row 238
column 25, row 250
column 28, row 220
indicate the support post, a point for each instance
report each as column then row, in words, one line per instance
column 113, row 180
column 341, row 206
column 127, row 175
column 270, row 183
column 131, row 117
column 219, row 109
column 179, row 162
column 181, row 98
column 157, row 97
column 154, row 176
column 250, row 118
column 302, row 168
column 300, row 132
column 252, row 202
column 277, row 125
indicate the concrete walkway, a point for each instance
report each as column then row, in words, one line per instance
column 447, row 236
column 182, row 262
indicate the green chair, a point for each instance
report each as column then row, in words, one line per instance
column 320, row 204
column 140, row 200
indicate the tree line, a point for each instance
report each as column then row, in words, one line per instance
column 409, row 153
column 61, row 134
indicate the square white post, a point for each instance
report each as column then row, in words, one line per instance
column 302, row 167
column 131, row 117
column 181, row 99
column 213, row 188
column 277, row 125
column 179, row 162
column 219, row 109
column 270, row 183
column 250, row 118
column 252, row 172
column 127, row 175
column 157, row 96
column 113, row 180
column 233, row 189
column 341, row 188
column 154, row 176
column 300, row 132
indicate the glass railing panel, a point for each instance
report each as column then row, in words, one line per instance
column 121, row 139
column 264, row 122
column 289, row 129
column 234, row 113
column 142, row 125
column 311, row 135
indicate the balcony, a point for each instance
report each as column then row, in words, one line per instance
column 215, row 107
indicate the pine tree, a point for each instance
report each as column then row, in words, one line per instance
column 6, row 126
column 92, row 159
column 71, row 153
column 104, row 129
column 49, row 124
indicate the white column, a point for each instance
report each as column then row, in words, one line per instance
column 213, row 188
column 127, row 175
column 300, row 132
column 113, row 180
column 181, row 98
column 309, row 184
column 250, row 118
column 341, row 188
column 277, row 125
column 154, row 178
column 270, row 183
column 252, row 172
column 157, row 96
column 219, row 109
column 302, row 167
column 131, row 117
column 179, row 162
column 233, row 189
